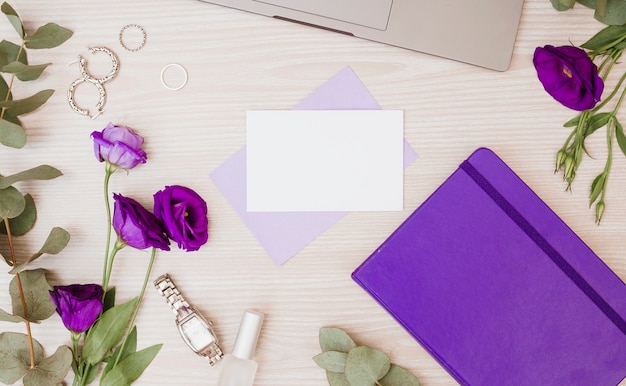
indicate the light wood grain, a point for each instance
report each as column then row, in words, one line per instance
column 237, row 62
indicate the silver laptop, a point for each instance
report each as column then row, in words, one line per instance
column 479, row 32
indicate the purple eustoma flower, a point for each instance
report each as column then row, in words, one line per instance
column 183, row 213
column 569, row 76
column 136, row 226
column 118, row 145
column 78, row 305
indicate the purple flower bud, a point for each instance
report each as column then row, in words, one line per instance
column 184, row 215
column 118, row 145
column 569, row 76
column 136, row 226
column 78, row 305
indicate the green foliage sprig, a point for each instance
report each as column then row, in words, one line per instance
column 21, row 356
column 347, row 364
column 611, row 12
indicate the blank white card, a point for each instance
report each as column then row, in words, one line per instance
column 324, row 160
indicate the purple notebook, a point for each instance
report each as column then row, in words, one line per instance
column 498, row 288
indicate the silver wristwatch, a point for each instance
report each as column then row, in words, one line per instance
column 193, row 327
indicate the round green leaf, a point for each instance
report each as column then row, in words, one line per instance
column 14, row 18
column 397, row 376
column 48, row 36
column 12, row 134
column 25, row 221
column 334, row 361
column 39, row 306
column 15, row 356
column 335, row 339
column 52, row 370
column 365, row 366
column 12, row 203
column 337, row 379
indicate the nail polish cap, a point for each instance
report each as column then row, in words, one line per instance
column 248, row 334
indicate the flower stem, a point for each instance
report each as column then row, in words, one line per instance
column 107, row 176
column 6, row 98
column 136, row 310
column 20, row 289
column 118, row 245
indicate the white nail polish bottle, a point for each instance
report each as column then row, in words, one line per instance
column 238, row 368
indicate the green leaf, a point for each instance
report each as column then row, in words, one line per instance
column 14, row 18
column 597, row 186
column 15, row 356
column 615, row 11
column 365, row 365
column 56, row 241
column 109, row 299
column 337, row 379
column 597, row 121
column 334, row 361
column 130, row 369
column 129, row 348
column 607, row 37
column 6, row 317
column 27, row 105
column 107, row 332
column 41, row 172
column 12, row 134
column 9, row 52
column 572, row 122
column 52, row 370
column 91, row 372
column 39, row 306
column 48, row 36
column 12, row 203
column 335, row 339
column 25, row 221
column 397, row 376
column 619, row 135
column 563, row 5
column 25, row 72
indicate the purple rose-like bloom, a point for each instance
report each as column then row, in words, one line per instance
column 78, row 305
column 119, row 145
column 569, row 76
column 184, row 215
column 136, row 226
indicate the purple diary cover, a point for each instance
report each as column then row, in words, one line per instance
column 497, row 288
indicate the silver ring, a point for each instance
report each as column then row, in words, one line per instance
column 143, row 37
column 163, row 76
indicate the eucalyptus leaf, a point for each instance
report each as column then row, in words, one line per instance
column 365, row 366
column 41, row 172
column 619, row 135
column 6, row 317
column 397, row 376
column 122, row 352
column 107, row 332
column 130, row 369
column 14, row 18
column 24, row 222
column 334, row 361
column 52, row 370
column 56, row 241
column 9, row 52
column 12, row 203
column 12, row 134
column 27, row 105
column 335, row 339
column 48, row 36
column 15, row 356
column 39, row 305
column 24, row 72
column 337, row 379
column 5, row 93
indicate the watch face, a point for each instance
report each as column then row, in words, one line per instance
column 196, row 333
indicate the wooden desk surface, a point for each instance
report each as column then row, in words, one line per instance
column 237, row 62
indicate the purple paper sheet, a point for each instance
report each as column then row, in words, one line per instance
column 282, row 234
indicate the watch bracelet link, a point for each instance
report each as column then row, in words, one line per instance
column 181, row 308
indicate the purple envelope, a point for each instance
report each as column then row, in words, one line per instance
column 284, row 234
column 498, row 288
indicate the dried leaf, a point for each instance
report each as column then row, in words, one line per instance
column 39, row 306
column 56, row 241
column 365, row 366
column 52, row 370
column 12, row 203
column 24, row 72
column 15, row 356
column 397, row 376
column 337, row 379
column 334, row 361
column 14, row 18
column 335, row 339
column 27, row 105
column 48, row 36
column 24, row 222
column 12, row 134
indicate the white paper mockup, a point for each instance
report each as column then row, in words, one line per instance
column 324, row 160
